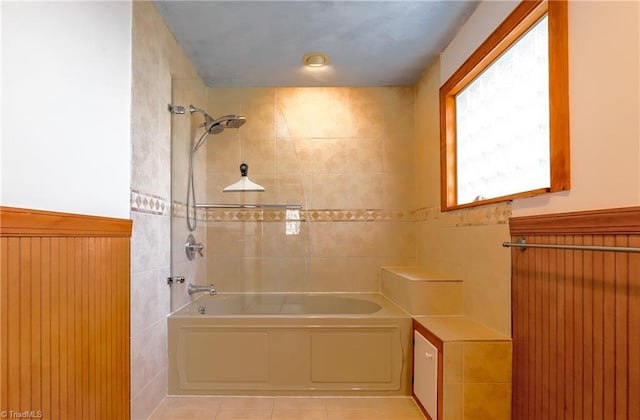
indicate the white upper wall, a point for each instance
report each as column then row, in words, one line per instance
column 604, row 100
column 66, row 105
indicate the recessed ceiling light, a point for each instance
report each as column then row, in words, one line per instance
column 315, row 59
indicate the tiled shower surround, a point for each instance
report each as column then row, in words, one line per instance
column 344, row 154
column 363, row 162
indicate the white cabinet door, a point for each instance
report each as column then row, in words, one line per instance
column 425, row 372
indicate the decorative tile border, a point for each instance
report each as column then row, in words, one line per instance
column 486, row 215
column 476, row 216
column 179, row 209
column 372, row 215
column 149, row 203
column 242, row 215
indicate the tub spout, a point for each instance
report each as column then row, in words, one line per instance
column 196, row 289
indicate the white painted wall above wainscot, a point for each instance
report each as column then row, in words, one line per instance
column 66, row 106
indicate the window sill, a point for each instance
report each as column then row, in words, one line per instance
column 511, row 197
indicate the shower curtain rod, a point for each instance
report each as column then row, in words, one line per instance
column 250, row 206
column 523, row 244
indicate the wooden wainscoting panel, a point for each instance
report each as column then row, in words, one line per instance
column 576, row 319
column 64, row 315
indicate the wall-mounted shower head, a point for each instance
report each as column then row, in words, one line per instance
column 230, row 121
column 216, row 126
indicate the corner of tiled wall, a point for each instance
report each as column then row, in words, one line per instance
column 156, row 59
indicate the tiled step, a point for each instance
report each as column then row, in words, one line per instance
column 421, row 293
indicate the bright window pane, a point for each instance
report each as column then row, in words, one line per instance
column 502, row 121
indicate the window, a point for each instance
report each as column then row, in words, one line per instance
column 504, row 112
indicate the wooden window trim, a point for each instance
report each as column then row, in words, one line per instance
column 527, row 13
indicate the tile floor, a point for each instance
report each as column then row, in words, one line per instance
column 290, row 408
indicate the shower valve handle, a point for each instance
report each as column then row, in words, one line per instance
column 191, row 247
column 197, row 248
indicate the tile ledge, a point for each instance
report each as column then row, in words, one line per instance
column 418, row 274
column 459, row 328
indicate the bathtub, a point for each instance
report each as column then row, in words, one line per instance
column 290, row 344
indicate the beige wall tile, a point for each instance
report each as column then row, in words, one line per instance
column 453, row 368
column 150, row 242
column 350, row 239
column 261, row 118
column 452, row 401
column 285, row 274
column 427, row 130
column 368, row 110
column 235, row 274
column 148, row 356
column 246, row 239
column 223, row 156
column 487, row 362
column 239, row 95
column 292, row 245
column 292, row 156
column 143, row 404
column 487, row 401
column 400, row 191
column 151, row 293
column 399, row 238
column 323, row 155
column 340, row 274
column 291, row 96
column 399, row 152
column 259, row 153
column 294, row 189
column 315, row 112
column 347, row 191
column 364, row 155
column 440, row 298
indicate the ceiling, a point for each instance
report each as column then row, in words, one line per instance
column 261, row 43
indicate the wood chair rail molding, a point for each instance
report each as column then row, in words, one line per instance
column 27, row 222
column 625, row 220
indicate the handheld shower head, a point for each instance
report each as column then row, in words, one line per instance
column 231, row 121
column 211, row 126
